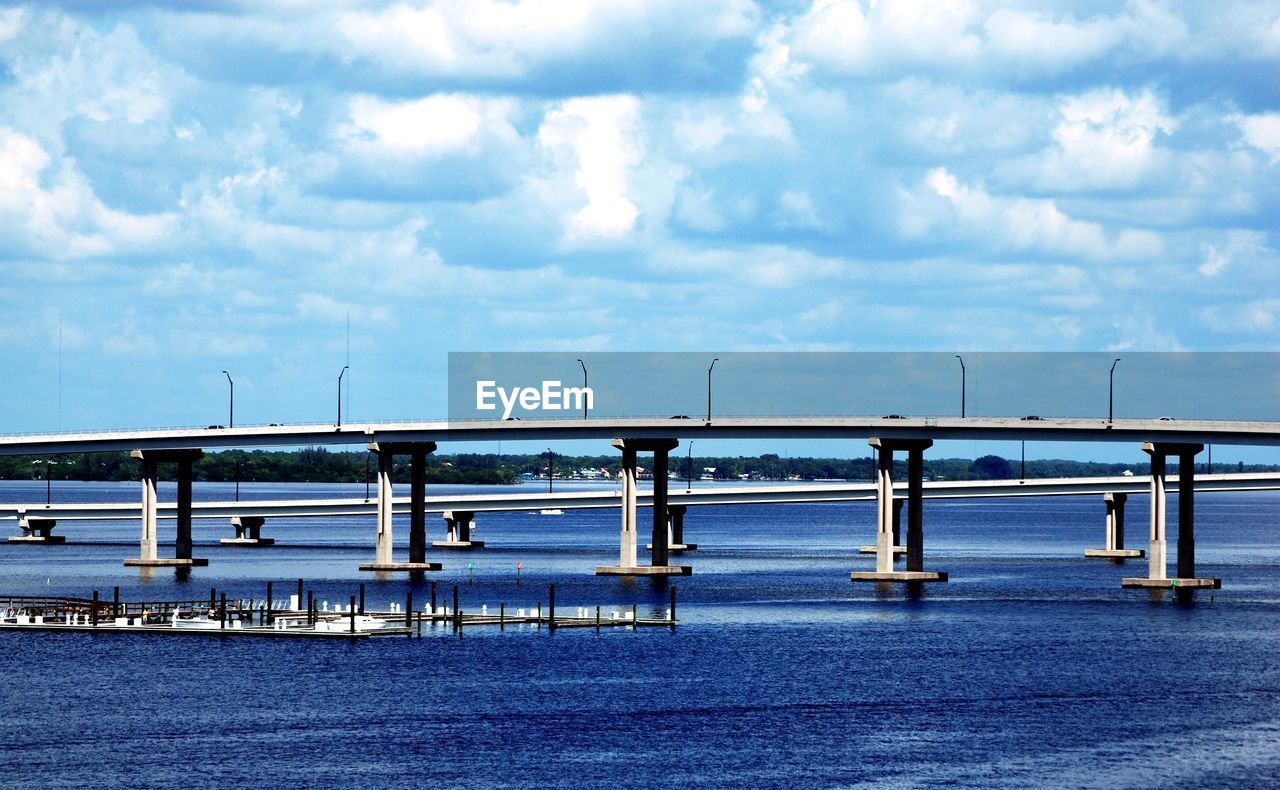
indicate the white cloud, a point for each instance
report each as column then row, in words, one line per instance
column 602, row 134
column 1238, row 244
column 1018, row 223
column 849, row 37
column 64, row 219
column 1262, row 132
column 1104, row 139
column 433, row 124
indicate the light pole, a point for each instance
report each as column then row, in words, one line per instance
column 1111, row 392
column 963, row 382
column 584, row 386
column 688, row 470
column 340, row 375
column 48, row 486
column 231, row 413
column 713, row 365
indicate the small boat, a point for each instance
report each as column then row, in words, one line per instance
column 554, row 511
column 198, row 623
column 364, row 622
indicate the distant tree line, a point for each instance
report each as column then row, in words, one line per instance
column 320, row 465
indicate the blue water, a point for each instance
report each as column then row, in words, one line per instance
column 1030, row 667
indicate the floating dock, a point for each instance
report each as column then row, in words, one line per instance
column 221, row 617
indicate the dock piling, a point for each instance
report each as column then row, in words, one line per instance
column 457, row 615
column 634, row 621
column 269, row 615
column 673, row 608
column 351, row 613
column 222, row 612
column 310, row 600
column 93, row 612
column 597, row 618
column 502, row 617
column 361, row 597
column 551, row 622
column 115, row 603
column 408, row 610
column 433, row 599
column 299, row 593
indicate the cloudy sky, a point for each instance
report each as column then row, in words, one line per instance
column 185, row 191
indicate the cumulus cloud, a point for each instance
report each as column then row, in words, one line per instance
column 1262, row 132
column 51, row 211
column 601, row 134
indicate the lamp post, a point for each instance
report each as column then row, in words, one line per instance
column 48, row 486
column 1111, row 392
column 231, row 411
column 713, row 365
column 963, row 382
column 584, row 386
column 340, row 375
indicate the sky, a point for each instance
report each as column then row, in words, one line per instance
column 279, row 189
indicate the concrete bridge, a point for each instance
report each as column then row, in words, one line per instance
column 1160, row 438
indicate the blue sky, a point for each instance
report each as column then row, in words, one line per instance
column 184, row 191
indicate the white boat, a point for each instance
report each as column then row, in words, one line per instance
column 364, row 622
column 555, row 511
column 198, row 623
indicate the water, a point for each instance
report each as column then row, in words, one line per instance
column 1030, row 667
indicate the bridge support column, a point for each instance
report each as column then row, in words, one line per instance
column 37, row 531
column 1115, row 549
column 248, row 532
column 148, row 554
column 1157, row 563
column 885, row 542
column 627, row 564
column 898, row 547
column 386, row 453
column 675, row 530
column 458, row 524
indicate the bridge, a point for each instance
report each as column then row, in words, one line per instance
column 1160, row 438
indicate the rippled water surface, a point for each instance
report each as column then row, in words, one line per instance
column 1030, row 667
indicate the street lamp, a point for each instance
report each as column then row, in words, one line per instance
column 584, row 386
column 963, row 382
column 48, row 486
column 1111, row 392
column 340, row 375
column 713, row 364
column 231, row 414
column 688, row 470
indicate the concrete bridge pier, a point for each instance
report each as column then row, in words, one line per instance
column 248, row 532
column 148, row 555
column 386, row 453
column 1157, row 564
column 885, row 542
column 1115, row 549
column 458, row 525
column 898, row 548
column 627, row 564
column 37, row 530
column 675, row 531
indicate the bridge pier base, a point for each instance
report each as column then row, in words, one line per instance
column 148, row 555
column 627, row 564
column 885, row 542
column 458, row 524
column 248, row 532
column 37, row 531
column 898, row 548
column 1157, row 564
column 1115, row 549
column 417, row 452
